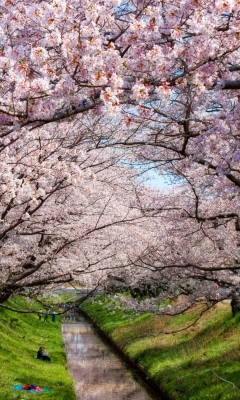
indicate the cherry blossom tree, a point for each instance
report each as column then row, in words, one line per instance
column 192, row 259
column 62, row 210
column 203, row 248
column 61, row 58
column 204, row 207
column 155, row 83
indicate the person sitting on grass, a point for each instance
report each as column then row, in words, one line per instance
column 41, row 355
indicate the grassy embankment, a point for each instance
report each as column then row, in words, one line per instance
column 187, row 365
column 20, row 337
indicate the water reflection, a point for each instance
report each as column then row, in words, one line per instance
column 97, row 373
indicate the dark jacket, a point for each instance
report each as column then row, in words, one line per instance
column 42, row 356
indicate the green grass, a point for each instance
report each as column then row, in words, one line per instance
column 187, row 365
column 20, row 337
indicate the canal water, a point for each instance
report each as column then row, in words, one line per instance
column 99, row 374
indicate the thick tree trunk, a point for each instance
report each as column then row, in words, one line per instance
column 4, row 296
column 235, row 304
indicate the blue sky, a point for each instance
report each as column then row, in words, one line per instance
column 157, row 181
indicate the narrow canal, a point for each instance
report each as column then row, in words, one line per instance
column 99, row 374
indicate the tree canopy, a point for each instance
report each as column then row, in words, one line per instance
column 93, row 91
